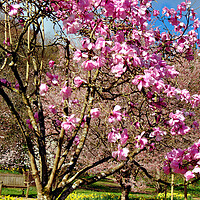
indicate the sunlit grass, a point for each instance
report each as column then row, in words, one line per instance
column 11, row 198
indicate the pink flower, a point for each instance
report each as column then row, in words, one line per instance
column 58, row 122
column 71, row 27
column 43, row 89
column 66, row 92
column 76, row 140
column 124, row 137
column 28, row 122
column 157, row 133
column 86, row 44
column 74, row 102
column 118, row 70
column 51, row 63
column 95, row 112
column 70, row 123
column 137, row 125
column 89, row 65
column 115, row 115
column 188, row 175
column 177, row 123
column 17, row 86
column 156, row 12
column 78, row 81
column 52, row 109
column 195, row 125
column 53, row 78
column 36, row 117
column 14, row 9
column 142, row 81
column 114, row 135
column 101, row 43
column 195, row 100
column 7, row 41
column 141, row 141
column 166, row 169
column 77, row 55
column 83, row 121
column 121, row 154
column 196, row 170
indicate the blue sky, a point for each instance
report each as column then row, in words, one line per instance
column 157, row 4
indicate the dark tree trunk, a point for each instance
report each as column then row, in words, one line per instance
column 125, row 192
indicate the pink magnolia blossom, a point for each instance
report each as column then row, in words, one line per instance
column 118, row 70
column 142, row 81
column 51, row 63
column 28, row 122
column 121, row 154
column 137, row 125
column 89, row 65
column 78, row 81
column 188, row 175
column 115, row 115
column 197, row 156
column 66, row 92
column 36, row 116
column 52, row 109
column 166, row 169
column 141, row 141
column 95, row 112
column 74, row 102
column 78, row 55
column 43, row 89
column 7, row 41
column 196, row 170
column 71, row 27
column 58, row 122
column 101, row 43
column 86, row 44
column 14, row 9
column 114, row 135
column 124, row 137
column 177, row 123
column 157, row 133
column 70, row 123
column 170, row 91
column 195, row 125
column 195, row 100
column 17, row 85
column 53, row 78
column 156, row 12
column 76, row 140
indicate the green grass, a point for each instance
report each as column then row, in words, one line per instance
column 194, row 189
column 108, row 186
column 12, row 171
column 17, row 192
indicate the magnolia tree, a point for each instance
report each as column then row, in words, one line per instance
column 114, row 95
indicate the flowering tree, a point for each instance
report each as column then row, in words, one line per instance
column 119, row 89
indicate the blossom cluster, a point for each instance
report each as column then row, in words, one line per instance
column 186, row 161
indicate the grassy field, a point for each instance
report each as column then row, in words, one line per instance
column 107, row 186
column 103, row 187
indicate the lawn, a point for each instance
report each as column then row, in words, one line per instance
column 104, row 187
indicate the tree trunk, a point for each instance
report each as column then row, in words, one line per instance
column 185, row 190
column 43, row 197
column 125, row 192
